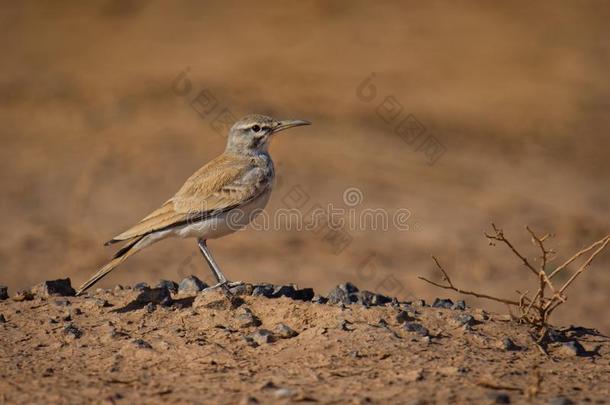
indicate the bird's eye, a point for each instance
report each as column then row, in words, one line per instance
column 256, row 128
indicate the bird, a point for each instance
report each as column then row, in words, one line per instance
column 220, row 198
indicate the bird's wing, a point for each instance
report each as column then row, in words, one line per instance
column 221, row 185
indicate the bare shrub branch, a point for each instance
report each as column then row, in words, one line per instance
column 537, row 309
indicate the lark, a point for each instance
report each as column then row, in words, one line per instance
column 218, row 199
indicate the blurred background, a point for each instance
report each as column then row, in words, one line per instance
column 462, row 113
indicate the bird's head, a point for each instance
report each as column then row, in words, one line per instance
column 252, row 133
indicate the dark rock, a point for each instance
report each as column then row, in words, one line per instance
column 462, row 319
column 3, row 292
column 460, row 305
column 499, row 397
column 247, row 319
column 2, row 318
column 142, row 344
column 338, row 296
column 318, row 299
column 191, row 284
column 442, row 303
column 509, row 345
column 417, row 328
column 172, row 286
column 348, row 288
column 59, row 287
column 23, row 295
column 283, row 291
column 263, row 290
column 572, row 348
column 262, row 336
column 345, row 325
column 160, row 296
column 242, row 289
column 141, row 286
column 67, row 317
column 285, row 332
column 72, row 330
column 150, row 307
column 304, row 294
column 403, row 316
column 561, row 401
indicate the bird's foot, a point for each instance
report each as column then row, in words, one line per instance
column 226, row 286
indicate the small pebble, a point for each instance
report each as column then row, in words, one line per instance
column 159, row 295
column 3, row 292
column 285, row 332
column 417, row 328
column 72, row 330
column 247, row 319
column 60, row 287
column 509, row 345
column 463, row 319
column 459, row 305
column 2, row 318
column 169, row 284
column 242, row 289
column 262, row 336
column 318, row 299
column 191, row 284
column 263, row 290
column 339, row 296
column 442, row 303
column 403, row 316
column 141, row 344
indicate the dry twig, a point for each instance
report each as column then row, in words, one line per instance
column 537, row 309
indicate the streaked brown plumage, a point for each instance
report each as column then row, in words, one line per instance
column 240, row 178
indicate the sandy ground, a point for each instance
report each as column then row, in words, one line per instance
column 111, row 347
column 98, row 130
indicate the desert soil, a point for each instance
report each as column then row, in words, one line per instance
column 117, row 346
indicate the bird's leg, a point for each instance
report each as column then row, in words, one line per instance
column 222, row 280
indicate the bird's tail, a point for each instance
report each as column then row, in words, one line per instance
column 119, row 258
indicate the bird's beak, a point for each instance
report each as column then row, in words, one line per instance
column 282, row 125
